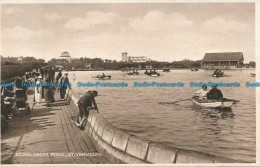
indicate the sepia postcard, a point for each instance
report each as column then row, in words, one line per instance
column 171, row 83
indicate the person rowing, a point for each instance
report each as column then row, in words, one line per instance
column 215, row 94
column 218, row 73
column 101, row 76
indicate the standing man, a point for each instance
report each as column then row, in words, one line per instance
column 63, row 88
column 52, row 72
column 58, row 76
column 84, row 104
column 42, row 71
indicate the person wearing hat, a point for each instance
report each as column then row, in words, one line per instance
column 214, row 93
column 85, row 103
column 63, row 88
column 38, row 91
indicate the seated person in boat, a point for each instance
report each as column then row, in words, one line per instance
column 153, row 72
column 201, row 95
column 214, row 94
column 216, row 72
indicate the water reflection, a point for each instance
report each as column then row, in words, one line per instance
column 214, row 113
column 214, row 120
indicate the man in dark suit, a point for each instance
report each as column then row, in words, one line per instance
column 63, row 88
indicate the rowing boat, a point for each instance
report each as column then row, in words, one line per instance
column 102, row 77
column 217, row 76
column 132, row 73
column 166, row 70
column 217, row 104
column 155, row 75
column 252, row 74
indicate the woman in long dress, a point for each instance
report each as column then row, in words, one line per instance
column 38, row 92
column 48, row 93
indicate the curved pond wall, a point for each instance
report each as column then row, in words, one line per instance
column 121, row 147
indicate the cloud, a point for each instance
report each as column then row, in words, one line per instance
column 92, row 18
column 168, row 46
column 53, row 17
column 9, row 11
column 24, row 34
column 221, row 25
column 159, row 21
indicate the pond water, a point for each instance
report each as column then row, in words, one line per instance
column 138, row 110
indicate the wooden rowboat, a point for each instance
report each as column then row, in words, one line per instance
column 218, row 104
column 252, row 74
column 155, row 75
column 102, row 77
column 132, row 73
column 166, row 70
column 217, row 76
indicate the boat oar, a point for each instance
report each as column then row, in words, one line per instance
column 174, row 101
column 234, row 100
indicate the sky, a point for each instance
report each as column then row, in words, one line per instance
column 160, row 31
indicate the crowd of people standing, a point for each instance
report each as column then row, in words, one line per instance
column 47, row 75
column 15, row 97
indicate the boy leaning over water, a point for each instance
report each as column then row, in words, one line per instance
column 85, row 104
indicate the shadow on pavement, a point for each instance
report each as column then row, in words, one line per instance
column 22, row 124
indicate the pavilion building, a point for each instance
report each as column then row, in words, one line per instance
column 222, row 60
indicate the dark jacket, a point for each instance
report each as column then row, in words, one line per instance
column 215, row 94
column 65, row 80
column 58, row 76
column 18, row 83
column 87, row 100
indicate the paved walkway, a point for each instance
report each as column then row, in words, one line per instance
column 47, row 136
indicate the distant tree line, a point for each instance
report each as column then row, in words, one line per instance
column 98, row 63
column 22, row 60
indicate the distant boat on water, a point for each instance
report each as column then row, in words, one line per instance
column 252, row 74
column 194, row 69
column 166, row 70
column 132, row 72
column 102, row 77
column 152, row 73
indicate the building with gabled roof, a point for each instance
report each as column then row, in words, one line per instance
column 222, row 60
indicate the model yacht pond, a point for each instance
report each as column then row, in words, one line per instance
column 152, row 114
